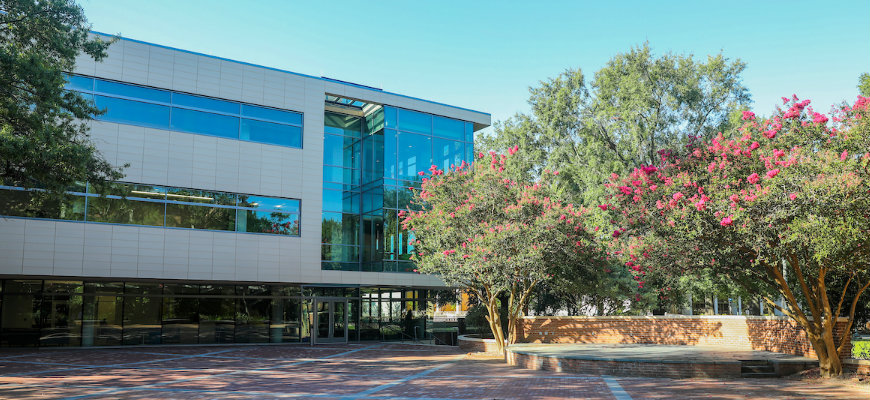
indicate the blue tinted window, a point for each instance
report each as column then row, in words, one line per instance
column 469, row 132
column 447, row 152
column 205, row 123
column 334, row 200
column 186, row 100
column 390, row 152
column 415, row 121
column 133, row 112
column 267, row 222
column 341, row 151
column 390, row 117
column 415, row 154
column 125, row 90
column 449, row 128
column 269, row 203
column 267, row 132
column 469, row 153
column 271, row 114
column 346, row 176
column 75, row 82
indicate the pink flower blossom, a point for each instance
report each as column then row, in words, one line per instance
column 653, row 188
column 792, row 196
column 752, row 178
column 421, row 173
column 748, row 115
column 754, row 146
column 770, row 134
column 603, row 206
column 734, row 198
column 616, row 233
column 844, row 155
column 649, row 169
column 677, row 196
column 727, row 221
column 513, row 150
column 819, row 118
column 772, row 173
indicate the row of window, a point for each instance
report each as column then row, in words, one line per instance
column 414, row 121
column 163, row 109
column 76, row 313
column 171, row 207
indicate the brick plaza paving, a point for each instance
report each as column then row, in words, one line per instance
column 354, row 371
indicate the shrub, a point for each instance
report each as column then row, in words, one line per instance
column 861, row 350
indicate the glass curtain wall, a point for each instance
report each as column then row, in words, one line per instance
column 340, row 229
column 77, row 313
column 369, row 163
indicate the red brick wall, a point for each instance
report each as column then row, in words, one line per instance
column 778, row 334
column 710, row 369
column 473, row 344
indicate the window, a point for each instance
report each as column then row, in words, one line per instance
column 204, row 123
column 133, row 204
column 415, row 121
column 449, row 128
column 133, row 112
column 155, row 108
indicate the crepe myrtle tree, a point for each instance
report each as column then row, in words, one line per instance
column 780, row 206
column 481, row 230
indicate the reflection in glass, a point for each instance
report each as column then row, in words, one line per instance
column 271, row 133
column 449, row 128
column 133, row 112
column 415, row 121
column 447, row 152
column 267, row 222
column 187, row 100
column 341, row 124
column 180, row 320
column 271, row 114
column 199, row 217
column 414, row 155
column 252, row 320
column 217, row 320
column 102, row 320
column 142, row 320
column 125, row 90
column 338, row 228
column 205, row 123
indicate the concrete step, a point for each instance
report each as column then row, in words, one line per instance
column 759, row 375
column 757, row 369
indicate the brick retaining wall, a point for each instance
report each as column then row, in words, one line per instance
column 471, row 344
column 780, row 334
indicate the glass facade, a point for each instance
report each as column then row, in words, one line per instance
column 100, row 313
column 163, row 109
column 369, row 163
column 171, row 207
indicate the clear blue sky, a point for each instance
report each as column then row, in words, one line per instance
column 485, row 54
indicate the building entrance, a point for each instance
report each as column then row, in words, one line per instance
column 330, row 324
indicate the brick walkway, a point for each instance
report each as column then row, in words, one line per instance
column 361, row 371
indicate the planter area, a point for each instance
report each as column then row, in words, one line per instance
column 655, row 360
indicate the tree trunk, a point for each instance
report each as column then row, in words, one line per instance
column 830, row 364
column 495, row 324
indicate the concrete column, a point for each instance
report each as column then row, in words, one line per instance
column 739, row 305
column 691, row 311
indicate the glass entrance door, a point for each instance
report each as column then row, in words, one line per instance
column 330, row 321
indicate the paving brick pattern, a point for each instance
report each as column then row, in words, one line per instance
column 356, row 371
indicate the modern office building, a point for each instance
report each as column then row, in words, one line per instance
column 259, row 205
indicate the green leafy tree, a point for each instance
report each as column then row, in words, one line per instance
column 864, row 85
column 482, row 230
column 635, row 106
column 43, row 133
column 780, row 205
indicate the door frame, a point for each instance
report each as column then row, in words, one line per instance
column 315, row 338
